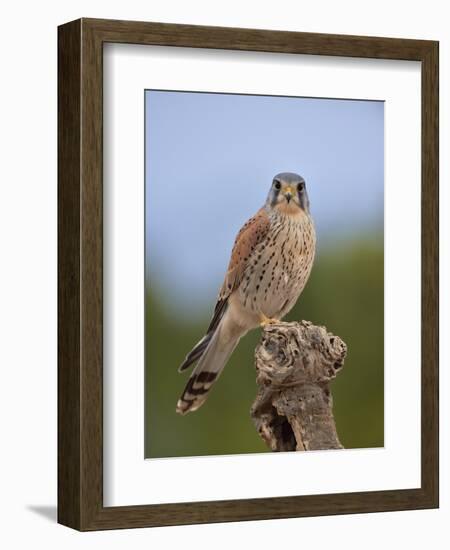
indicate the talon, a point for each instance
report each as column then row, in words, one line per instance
column 267, row 321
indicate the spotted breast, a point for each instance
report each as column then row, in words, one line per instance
column 279, row 266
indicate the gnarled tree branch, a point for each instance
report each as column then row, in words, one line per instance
column 293, row 410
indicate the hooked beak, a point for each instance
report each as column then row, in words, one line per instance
column 288, row 194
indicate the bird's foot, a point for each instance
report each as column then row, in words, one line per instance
column 264, row 321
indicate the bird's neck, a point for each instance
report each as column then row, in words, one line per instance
column 291, row 211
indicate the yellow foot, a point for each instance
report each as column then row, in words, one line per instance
column 267, row 321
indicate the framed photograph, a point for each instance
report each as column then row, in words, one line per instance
column 248, row 274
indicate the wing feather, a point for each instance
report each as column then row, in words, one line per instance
column 249, row 237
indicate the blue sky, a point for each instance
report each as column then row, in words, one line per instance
column 210, row 160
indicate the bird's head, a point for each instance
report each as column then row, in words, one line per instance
column 288, row 194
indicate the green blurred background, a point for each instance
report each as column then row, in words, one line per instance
column 345, row 293
column 210, row 159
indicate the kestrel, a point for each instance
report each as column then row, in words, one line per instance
column 270, row 263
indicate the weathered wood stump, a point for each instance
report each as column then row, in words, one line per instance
column 293, row 410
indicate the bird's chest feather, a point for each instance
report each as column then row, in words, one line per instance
column 280, row 266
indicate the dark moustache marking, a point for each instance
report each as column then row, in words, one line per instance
column 276, row 192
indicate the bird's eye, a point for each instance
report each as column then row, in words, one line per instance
column 301, row 186
column 277, row 185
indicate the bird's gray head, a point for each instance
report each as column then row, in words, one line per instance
column 288, row 194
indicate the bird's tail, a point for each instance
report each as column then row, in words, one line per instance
column 212, row 360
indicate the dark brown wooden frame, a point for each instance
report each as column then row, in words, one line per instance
column 80, row 415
